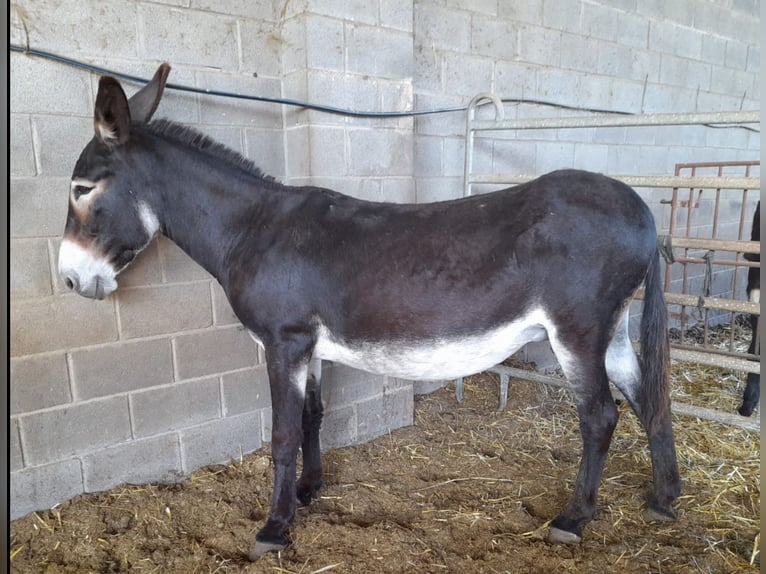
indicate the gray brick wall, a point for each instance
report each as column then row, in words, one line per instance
column 160, row 378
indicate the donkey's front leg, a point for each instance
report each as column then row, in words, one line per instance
column 287, row 367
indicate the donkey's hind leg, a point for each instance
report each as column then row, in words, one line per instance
column 311, row 476
column 623, row 370
column 583, row 365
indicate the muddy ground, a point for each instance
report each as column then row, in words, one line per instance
column 466, row 489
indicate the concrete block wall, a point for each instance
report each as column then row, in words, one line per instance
column 160, row 378
column 638, row 56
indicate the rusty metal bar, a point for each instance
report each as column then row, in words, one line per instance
column 619, row 120
column 695, row 182
column 717, row 244
column 676, row 407
column 718, row 303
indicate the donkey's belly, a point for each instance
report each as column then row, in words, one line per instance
column 435, row 358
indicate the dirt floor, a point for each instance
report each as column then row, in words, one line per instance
column 466, row 489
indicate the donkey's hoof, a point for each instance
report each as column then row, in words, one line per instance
column 559, row 536
column 260, row 548
column 652, row 513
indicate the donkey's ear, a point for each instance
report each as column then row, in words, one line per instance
column 112, row 114
column 144, row 103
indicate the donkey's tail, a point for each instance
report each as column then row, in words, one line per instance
column 654, row 397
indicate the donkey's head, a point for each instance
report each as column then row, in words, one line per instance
column 108, row 223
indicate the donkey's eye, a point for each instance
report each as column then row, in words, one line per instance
column 82, row 190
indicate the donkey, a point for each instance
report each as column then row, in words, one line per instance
column 752, row 393
column 418, row 291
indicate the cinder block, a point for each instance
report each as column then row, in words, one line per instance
column 530, row 12
column 578, row 53
column 753, row 60
column 514, row 156
column 328, row 151
column 228, row 136
column 64, row 91
column 380, row 415
column 58, row 142
column 112, row 369
column 14, row 446
column 428, row 63
column 380, row 152
column 298, row 160
column 267, row 11
column 348, row 91
column 38, row 206
column 22, row 153
column 553, row 155
column 30, row 268
column 162, row 309
column 338, row 428
column 438, row 28
column 58, row 433
column 559, row 87
column 714, row 50
column 514, row 80
column 242, row 113
column 688, row 42
column 467, row 76
column 261, row 46
column 496, row 37
column 196, row 38
column 397, row 190
column 38, row 382
column 324, row 43
column 267, row 150
column 157, row 459
column 177, row 266
column 70, row 321
column 42, row 487
column 184, row 404
column 245, row 391
column 562, row 15
column 599, row 21
column 440, row 124
column 52, row 25
column 220, row 441
column 428, row 156
column 632, row 29
column 365, row 44
column 614, row 60
column 540, row 45
column 592, row 157
column 342, row 385
column 397, row 14
column 222, row 311
column 214, row 351
column 438, row 188
column 364, row 12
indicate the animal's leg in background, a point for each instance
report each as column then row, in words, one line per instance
column 752, row 393
column 287, row 367
column 623, row 370
column 311, row 476
column 598, row 415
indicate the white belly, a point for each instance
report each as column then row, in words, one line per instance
column 437, row 358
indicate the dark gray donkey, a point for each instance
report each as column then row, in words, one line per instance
column 422, row 291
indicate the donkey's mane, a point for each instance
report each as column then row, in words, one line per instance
column 200, row 141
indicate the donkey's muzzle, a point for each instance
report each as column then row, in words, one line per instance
column 86, row 274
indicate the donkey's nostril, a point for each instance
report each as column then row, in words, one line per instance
column 71, row 282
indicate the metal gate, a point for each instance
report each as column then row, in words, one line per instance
column 686, row 308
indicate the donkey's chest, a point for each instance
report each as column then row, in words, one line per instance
column 434, row 358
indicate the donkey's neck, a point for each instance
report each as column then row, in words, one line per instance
column 207, row 206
